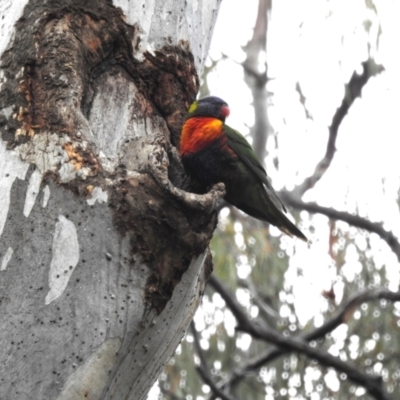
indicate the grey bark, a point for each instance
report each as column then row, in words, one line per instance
column 103, row 260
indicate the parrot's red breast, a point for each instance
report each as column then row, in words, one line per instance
column 199, row 133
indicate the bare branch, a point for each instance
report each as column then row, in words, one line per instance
column 303, row 101
column 203, row 368
column 341, row 317
column 257, row 80
column 269, row 314
column 354, row 220
column 372, row 384
column 258, row 42
column 352, row 92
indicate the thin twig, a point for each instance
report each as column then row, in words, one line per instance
column 354, row 220
column 303, row 100
column 265, row 309
column 352, row 92
column 204, row 370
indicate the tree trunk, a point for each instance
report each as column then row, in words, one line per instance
column 103, row 260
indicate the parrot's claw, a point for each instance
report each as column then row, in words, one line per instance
column 208, row 202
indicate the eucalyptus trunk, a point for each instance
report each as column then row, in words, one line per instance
column 103, row 251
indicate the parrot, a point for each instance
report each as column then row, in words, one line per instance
column 213, row 152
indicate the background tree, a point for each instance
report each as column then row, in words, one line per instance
column 102, row 259
column 253, row 337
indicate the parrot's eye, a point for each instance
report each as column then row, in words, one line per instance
column 225, row 111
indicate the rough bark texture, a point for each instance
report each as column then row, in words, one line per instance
column 102, row 258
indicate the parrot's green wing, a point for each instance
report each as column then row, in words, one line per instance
column 238, row 143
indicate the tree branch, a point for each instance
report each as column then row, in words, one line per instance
column 372, row 384
column 303, row 101
column 257, row 80
column 341, row 317
column 351, row 219
column 204, row 370
column 269, row 314
column 352, row 92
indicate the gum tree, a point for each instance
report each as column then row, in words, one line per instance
column 103, row 252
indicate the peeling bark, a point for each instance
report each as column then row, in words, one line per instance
column 102, row 248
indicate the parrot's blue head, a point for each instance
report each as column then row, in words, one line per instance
column 210, row 106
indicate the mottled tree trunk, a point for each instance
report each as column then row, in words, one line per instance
column 102, row 259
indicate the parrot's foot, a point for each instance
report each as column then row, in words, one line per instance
column 158, row 162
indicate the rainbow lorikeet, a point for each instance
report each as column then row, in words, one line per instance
column 213, row 152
